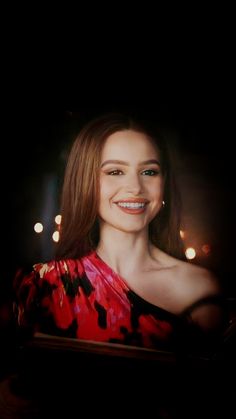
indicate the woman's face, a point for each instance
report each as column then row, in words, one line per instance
column 131, row 182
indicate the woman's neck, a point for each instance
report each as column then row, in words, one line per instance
column 124, row 252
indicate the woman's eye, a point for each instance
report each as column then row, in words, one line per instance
column 115, row 172
column 150, row 172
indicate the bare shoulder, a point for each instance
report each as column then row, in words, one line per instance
column 201, row 293
column 191, row 291
column 189, row 281
column 198, row 281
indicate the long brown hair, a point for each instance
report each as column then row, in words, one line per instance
column 79, row 233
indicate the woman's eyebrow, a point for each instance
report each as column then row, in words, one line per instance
column 125, row 163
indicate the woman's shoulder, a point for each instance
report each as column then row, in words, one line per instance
column 198, row 281
column 189, row 283
column 52, row 269
column 193, row 278
column 189, row 277
column 201, row 295
column 54, row 264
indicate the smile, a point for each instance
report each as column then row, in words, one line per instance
column 133, row 208
column 131, row 204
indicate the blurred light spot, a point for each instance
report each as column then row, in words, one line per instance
column 58, row 219
column 56, row 236
column 206, row 248
column 182, row 234
column 38, row 227
column 190, row 253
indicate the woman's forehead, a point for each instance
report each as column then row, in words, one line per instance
column 129, row 143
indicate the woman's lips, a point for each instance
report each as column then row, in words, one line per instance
column 124, row 206
column 132, row 210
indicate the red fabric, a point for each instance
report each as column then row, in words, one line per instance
column 86, row 299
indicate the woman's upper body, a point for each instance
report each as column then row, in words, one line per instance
column 86, row 299
column 119, row 276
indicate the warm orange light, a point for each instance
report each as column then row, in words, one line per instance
column 206, row 248
column 182, row 234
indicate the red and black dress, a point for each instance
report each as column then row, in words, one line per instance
column 85, row 299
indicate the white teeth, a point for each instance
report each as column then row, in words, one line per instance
column 131, row 204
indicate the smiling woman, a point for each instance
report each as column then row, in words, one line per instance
column 134, row 186
column 119, row 275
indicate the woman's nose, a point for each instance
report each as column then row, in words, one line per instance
column 134, row 184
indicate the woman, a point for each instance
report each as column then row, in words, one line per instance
column 119, row 275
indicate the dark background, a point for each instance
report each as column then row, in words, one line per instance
column 196, row 123
column 179, row 71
